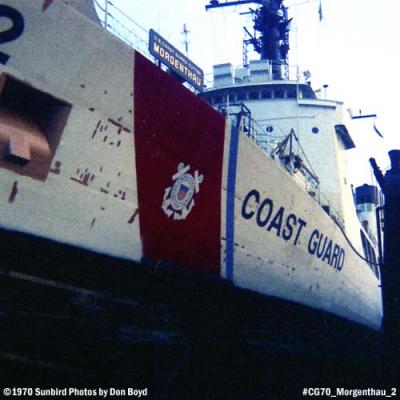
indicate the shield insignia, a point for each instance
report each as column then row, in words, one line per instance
column 178, row 199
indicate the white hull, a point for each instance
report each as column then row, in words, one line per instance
column 90, row 196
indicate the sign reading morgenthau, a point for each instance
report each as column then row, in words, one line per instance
column 174, row 59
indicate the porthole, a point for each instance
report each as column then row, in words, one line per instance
column 315, row 130
column 269, row 128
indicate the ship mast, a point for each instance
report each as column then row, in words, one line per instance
column 271, row 30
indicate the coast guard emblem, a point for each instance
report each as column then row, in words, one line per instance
column 178, row 199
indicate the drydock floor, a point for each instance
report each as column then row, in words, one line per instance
column 86, row 321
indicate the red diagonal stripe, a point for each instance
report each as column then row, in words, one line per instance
column 46, row 4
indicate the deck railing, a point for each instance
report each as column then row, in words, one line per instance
column 122, row 25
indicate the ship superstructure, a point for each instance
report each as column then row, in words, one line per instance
column 307, row 133
column 277, row 107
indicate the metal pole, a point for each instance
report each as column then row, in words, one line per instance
column 106, row 14
column 298, row 108
column 379, row 211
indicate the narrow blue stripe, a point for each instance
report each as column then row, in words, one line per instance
column 230, row 202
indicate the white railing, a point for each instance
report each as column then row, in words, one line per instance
column 122, row 25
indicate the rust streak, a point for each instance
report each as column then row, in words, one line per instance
column 119, row 125
column 95, row 131
column 46, row 4
column 13, row 193
column 115, row 123
column 132, row 219
column 82, row 182
column 57, row 168
column 86, row 179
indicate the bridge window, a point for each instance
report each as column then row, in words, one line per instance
column 307, row 92
column 241, row 96
column 279, row 94
column 253, row 96
column 266, row 94
column 291, row 94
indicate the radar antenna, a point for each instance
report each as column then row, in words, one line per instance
column 185, row 33
column 271, row 30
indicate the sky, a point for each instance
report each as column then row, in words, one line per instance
column 354, row 49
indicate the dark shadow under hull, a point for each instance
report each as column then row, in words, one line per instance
column 73, row 317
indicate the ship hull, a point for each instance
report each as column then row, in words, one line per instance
column 139, row 168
